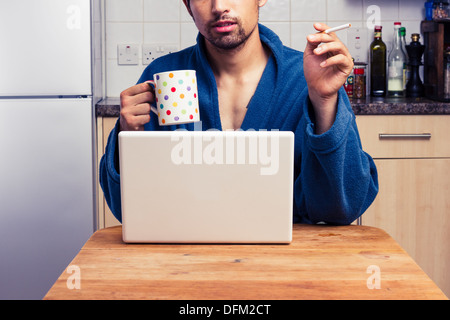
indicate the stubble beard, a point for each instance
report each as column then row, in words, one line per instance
column 232, row 41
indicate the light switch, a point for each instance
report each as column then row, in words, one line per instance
column 128, row 54
column 357, row 44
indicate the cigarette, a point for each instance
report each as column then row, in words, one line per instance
column 344, row 26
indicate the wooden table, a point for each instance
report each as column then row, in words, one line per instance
column 322, row 262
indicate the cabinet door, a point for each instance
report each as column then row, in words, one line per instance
column 413, row 206
column 105, row 217
column 409, row 136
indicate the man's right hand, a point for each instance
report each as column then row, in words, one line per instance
column 135, row 107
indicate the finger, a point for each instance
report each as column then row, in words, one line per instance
column 313, row 40
column 321, row 26
column 332, row 48
column 135, row 110
column 318, row 38
column 138, row 122
column 137, row 89
column 131, row 121
column 340, row 61
column 142, row 119
column 144, row 97
column 140, row 109
column 321, row 36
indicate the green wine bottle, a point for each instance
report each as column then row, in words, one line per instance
column 378, row 65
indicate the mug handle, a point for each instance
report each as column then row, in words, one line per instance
column 153, row 84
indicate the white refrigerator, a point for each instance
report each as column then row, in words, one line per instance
column 48, row 76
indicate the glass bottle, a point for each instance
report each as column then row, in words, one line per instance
column 378, row 65
column 447, row 75
column 396, row 62
column 406, row 67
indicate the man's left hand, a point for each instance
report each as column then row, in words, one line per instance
column 326, row 69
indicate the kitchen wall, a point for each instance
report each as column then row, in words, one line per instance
column 167, row 22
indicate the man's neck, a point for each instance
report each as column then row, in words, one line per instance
column 237, row 62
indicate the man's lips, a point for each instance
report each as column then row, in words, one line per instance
column 224, row 26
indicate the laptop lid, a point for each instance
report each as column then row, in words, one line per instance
column 207, row 186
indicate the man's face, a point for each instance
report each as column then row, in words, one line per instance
column 226, row 24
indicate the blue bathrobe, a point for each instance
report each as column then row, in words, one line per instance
column 335, row 181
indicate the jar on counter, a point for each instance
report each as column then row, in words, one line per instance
column 440, row 10
column 349, row 83
column 348, row 86
column 359, row 86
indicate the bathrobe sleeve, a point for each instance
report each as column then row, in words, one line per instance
column 337, row 180
column 109, row 176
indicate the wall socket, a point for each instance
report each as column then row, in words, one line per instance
column 152, row 51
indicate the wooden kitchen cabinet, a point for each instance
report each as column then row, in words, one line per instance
column 104, row 126
column 413, row 205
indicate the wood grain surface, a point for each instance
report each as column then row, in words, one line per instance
column 322, row 262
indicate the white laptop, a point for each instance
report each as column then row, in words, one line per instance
column 207, row 187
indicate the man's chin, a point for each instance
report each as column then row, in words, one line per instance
column 229, row 42
column 228, row 45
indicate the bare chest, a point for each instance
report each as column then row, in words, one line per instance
column 233, row 103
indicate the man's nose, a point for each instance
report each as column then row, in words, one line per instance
column 220, row 6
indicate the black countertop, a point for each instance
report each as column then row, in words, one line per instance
column 110, row 107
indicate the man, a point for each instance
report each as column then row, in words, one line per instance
column 248, row 80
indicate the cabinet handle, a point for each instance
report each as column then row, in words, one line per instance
column 425, row 136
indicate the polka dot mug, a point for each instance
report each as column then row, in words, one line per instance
column 176, row 97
